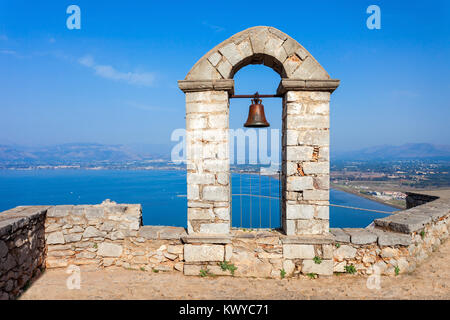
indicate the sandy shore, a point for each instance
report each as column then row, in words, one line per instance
column 359, row 194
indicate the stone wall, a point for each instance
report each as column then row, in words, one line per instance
column 22, row 249
column 395, row 244
column 259, row 254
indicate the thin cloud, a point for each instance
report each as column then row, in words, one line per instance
column 109, row 72
column 3, row 37
column 213, row 27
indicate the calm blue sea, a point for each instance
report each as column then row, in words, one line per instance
column 162, row 195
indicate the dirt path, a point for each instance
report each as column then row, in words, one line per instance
column 431, row 280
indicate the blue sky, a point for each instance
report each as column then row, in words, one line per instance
column 115, row 80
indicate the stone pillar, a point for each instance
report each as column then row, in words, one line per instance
column 305, row 153
column 207, row 146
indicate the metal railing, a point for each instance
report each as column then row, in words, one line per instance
column 255, row 188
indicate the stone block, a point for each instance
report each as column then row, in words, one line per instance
column 214, row 58
column 361, row 236
column 324, row 268
column 55, row 238
column 91, row 232
column 299, row 211
column 203, row 70
column 203, row 253
column 222, row 213
column 307, row 122
column 224, row 67
column 316, row 167
column 200, row 178
column 299, row 153
column 344, row 252
column 314, row 137
column 231, row 52
column 215, row 228
column 193, row 192
column 216, row 193
column 296, row 183
column 107, row 249
column 340, row 235
column 200, row 214
column 312, row 226
column 298, row 251
column 316, row 195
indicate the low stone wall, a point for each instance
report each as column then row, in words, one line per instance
column 22, row 249
column 110, row 234
column 259, row 254
column 394, row 244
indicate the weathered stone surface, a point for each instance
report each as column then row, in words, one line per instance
column 3, row 249
column 392, row 238
column 324, row 268
column 344, row 252
column 56, row 238
column 299, row 183
column 299, row 211
column 107, row 249
column 203, row 253
column 298, row 251
column 288, row 266
column 91, row 232
column 361, row 236
column 340, row 235
column 215, row 228
column 215, row 193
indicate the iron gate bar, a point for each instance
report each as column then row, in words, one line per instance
column 259, row 198
column 246, row 96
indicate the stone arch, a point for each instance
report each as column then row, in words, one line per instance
column 258, row 45
column 305, row 88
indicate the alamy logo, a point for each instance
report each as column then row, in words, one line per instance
column 74, row 280
column 374, row 281
column 374, row 20
column 74, row 20
column 245, row 146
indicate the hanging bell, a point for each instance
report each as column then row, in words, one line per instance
column 256, row 117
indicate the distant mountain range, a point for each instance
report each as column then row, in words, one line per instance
column 80, row 152
column 409, row 151
column 94, row 152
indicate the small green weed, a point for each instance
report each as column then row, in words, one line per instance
column 225, row 265
column 350, row 269
column 317, row 260
column 282, row 273
column 312, row 275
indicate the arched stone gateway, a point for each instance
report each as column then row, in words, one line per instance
column 305, row 87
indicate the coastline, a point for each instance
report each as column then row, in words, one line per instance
column 350, row 190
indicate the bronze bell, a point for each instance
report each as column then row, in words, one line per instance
column 256, row 117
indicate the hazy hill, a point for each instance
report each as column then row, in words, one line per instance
column 409, row 151
column 65, row 153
